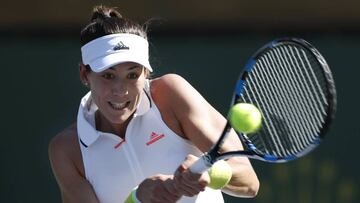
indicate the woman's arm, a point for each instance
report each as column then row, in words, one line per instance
column 195, row 119
column 66, row 162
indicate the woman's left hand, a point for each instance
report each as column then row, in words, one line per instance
column 158, row 189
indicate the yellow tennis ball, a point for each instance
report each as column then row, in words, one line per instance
column 245, row 118
column 131, row 198
column 220, row 174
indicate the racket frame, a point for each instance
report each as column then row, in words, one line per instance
column 250, row 150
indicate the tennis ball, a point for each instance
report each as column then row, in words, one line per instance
column 220, row 174
column 130, row 199
column 245, row 118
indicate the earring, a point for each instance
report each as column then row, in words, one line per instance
column 86, row 84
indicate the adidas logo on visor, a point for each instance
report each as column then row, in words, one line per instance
column 120, row 46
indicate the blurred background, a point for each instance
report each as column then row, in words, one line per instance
column 207, row 42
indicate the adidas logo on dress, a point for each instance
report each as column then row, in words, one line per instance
column 154, row 137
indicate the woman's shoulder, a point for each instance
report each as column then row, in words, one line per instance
column 171, row 90
column 188, row 110
column 167, row 93
column 65, row 138
column 170, row 85
column 64, row 147
column 167, row 80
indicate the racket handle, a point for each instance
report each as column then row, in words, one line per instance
column 201, row 165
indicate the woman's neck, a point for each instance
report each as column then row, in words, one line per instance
column 104, row 125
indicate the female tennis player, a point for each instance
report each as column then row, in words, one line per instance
column 136, row 135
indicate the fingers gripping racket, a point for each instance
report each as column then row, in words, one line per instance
column 289, row 81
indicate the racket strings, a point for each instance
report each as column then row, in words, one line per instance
column 261, row 141
column 271, row 126
column 285, row 95
column 308, row 90
column 316, row 87
column 274, row 125
column 313, row 92
column 299, row 95
column 288, row 86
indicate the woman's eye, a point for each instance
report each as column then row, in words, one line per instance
column 108, row 76
column 133, row 75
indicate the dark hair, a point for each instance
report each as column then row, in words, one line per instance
column 106, row 21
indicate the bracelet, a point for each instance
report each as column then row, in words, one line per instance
column 132, row 198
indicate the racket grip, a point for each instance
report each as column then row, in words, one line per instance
column 201, row 165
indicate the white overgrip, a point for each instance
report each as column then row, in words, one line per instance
column 201, row 165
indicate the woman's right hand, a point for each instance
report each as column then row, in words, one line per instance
column 158, row 189
column 189, row 183
column 170, row 188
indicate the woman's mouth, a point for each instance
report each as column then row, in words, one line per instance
column 119, row 106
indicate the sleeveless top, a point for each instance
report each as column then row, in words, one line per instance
column 114, row 166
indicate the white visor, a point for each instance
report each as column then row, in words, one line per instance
column 110, row 50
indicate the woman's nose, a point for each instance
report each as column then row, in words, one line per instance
column 120, row 89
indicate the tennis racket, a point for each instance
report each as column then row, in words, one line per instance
column 291, row 84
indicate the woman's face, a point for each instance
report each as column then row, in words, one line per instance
column 117, row 90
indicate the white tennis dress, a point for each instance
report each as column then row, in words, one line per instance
column 115, row 166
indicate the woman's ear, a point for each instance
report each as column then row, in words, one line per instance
column 147, row 73
column 83, row 73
